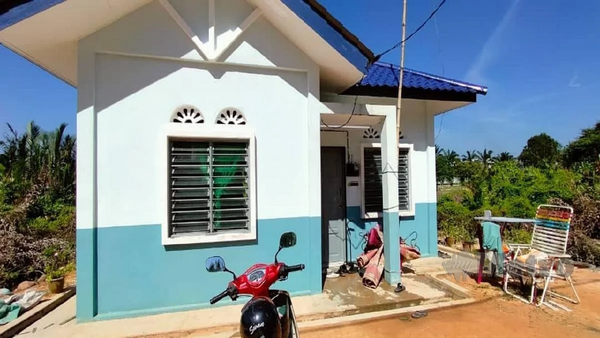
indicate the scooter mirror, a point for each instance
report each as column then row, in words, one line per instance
column 287, row 240
column 215, row 264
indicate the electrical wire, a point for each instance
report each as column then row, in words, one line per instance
column 439, row 43
column 413, row 33
column 432, row 15
column 353, row 106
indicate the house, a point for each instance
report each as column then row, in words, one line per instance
column 210, row 127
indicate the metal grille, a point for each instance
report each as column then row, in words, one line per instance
column 373, row 190
column 209, row 187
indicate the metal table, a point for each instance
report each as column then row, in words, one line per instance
column 506, row 219
column 503, row 220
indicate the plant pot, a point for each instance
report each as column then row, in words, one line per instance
column 56, row 285
column 467, row 246
column 450, row 241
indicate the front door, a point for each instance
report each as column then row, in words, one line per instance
column 333, row 206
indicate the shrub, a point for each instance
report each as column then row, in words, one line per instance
column 517, row 236
column 455, row 220
column 584, row 249
column 21, row 256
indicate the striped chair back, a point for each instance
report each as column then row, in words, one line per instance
column 551, row 229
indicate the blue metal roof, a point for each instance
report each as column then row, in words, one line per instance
column 387, row 75
column 19, row 10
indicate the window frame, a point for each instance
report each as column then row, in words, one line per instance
column 411, row 203
column 210, row 133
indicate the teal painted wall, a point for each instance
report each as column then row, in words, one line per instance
column 424, row 224
column 132, row 273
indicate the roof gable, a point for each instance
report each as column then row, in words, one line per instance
column 341, row 55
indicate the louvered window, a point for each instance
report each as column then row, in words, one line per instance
column 209, row 187
column 372, row 180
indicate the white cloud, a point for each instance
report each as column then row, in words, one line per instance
column 491, row 48
column 574, row 83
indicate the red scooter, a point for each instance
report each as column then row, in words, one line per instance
column 269, row 314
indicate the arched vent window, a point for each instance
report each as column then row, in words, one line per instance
column 187, row 114
column 231, row 116
column 371, row 133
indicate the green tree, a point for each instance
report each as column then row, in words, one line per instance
column 470, row 156
column 541, row 151
column 504, row 157
column 586, row 148
column 443, row 169
column 485, row 158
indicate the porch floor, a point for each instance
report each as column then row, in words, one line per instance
column 353, row 297
column 343, row 296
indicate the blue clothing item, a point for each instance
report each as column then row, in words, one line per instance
column 8, row 312
column 492, row 241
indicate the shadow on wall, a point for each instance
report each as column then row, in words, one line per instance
column 133, row 74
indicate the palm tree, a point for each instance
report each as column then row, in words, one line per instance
column 38, row 157
column 485, row 157
column 438, row 150
column 504, row 157
column 470, row 156
column 451, row 156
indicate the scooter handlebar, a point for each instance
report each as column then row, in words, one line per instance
column 294, row 268
column 218, row 297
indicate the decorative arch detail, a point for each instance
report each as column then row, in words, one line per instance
column 231, row 116
column 371, row 133
column 187, row 114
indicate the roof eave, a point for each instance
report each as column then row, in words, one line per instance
column 15, row 11
column 412, row 93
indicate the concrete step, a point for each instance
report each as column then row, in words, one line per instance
column 425, row 265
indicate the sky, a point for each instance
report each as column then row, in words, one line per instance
column 539, row 59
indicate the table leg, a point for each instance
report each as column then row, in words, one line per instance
column 481, row 253
column 481, row 263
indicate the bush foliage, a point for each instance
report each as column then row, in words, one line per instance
column 37, row 202
column 515, row 187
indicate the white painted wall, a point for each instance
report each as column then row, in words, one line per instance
column 124, row 100
column 417, row 128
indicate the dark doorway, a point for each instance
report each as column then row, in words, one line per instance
column 333, row 206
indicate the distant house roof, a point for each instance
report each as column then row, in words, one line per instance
column 382, row 80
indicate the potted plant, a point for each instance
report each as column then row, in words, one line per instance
column 452, row 234
column 468, row 240
column 57, row 266
column 55, row 279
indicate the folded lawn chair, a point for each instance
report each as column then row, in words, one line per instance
column 545, row 259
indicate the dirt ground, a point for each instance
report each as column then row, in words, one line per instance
column 493, row 315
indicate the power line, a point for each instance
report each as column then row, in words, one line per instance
column 353, row 106
column 413, row 33
column 439, row 42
